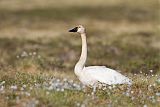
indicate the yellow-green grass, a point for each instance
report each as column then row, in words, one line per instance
column 35, row 46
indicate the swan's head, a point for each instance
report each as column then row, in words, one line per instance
column 80, row 29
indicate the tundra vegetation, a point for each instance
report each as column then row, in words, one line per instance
column 38, row 54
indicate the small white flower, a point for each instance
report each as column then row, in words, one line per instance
column 3, row 82
column 104, row 88
column 58, row 80
column 27, row 93
column 24, row 54
column 70, row 81
column 157, row 94
column 24, row 86
column 132, row 92
column 151, row 70
column 14, row 87
column 35, row 81
column 7, row 97
column 127, row 94
column 133, row 98
column 36, row 102
column 2, row 88
column 34, row 53
column 100, row 86
column 77, row 104
column 62, row 89
column 17, row 56
column 50, row 88
column 83, row 105
column 57, row 89
column 114, row 86
column 65, row 79
column 30, row 88
column 110, row 87
column 145, row 105
column 154, row 84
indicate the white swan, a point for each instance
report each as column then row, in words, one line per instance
column 93, row 75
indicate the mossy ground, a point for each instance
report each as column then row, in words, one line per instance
column 35, row 47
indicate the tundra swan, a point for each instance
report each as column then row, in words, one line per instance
column 93, row 75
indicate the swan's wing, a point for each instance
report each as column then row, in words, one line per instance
column 106, row 75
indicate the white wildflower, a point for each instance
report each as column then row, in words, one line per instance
column 145, row 105
column 3, row 82
column 34, row 53
column 27, row 93
column 151, row 70
column 24, row 54
column 24, row 86
column 158, row 94
column 132, row 92
column 62, row 89
column 14, row 87
column 17, row 56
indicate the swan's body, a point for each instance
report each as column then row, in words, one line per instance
column 93, row 75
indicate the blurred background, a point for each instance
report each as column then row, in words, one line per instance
column 122, row 34
column 35, row 45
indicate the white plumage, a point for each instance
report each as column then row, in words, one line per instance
column 96, row 74
column 93, row 75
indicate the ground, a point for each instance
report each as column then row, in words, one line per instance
column 38, row 53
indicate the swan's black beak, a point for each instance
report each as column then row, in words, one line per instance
column 74, row 29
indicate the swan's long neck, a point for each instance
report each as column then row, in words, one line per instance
column 81, row 63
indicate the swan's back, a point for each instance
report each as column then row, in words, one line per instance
column 105, row 75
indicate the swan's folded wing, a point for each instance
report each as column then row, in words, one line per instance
column 106, row 75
